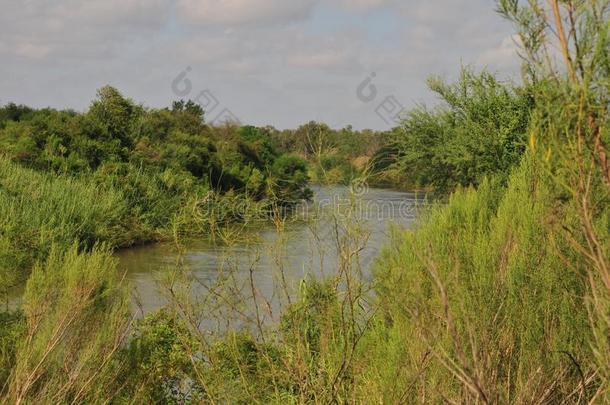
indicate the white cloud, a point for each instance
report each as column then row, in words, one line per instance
column 38, row 28
column 132, row 12
column 436, row 11
column 319, row 60
column 503, row 55
column 235, row 12
column 270, row 50
column 277, row 62
column 363, row 5
column 32, row 51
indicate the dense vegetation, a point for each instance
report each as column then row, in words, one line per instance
column 122, row 174
column 478, row 131
column 499, row 295
column 340, row 156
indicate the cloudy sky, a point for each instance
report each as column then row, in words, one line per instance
column 278, row 62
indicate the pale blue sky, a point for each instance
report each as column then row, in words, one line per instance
column 274, row 62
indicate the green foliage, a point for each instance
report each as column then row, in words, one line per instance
column 174, row 363
column 169, row 363
column 334, row 156
column 160, row 356
column 76, row 318
column 569, row 135
column 114, row 115
column 13, row 112
column 304, row 323
column 289, row 179
column 39, row 210
column 489, row 304
column 259, row 143
column 334, row 169
column 189, row 107
column 479, row 130
column 12, row 328
column 116, row 131
column 242, row 368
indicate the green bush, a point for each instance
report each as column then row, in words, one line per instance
column 76, row 317
column 478, row 296
column 479, row 130
column 160, row 362
column 289, row 179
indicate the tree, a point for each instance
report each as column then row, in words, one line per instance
column 479, row 130
column 115, row 113
column 289, row 179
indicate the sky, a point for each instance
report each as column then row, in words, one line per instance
column 261, row 62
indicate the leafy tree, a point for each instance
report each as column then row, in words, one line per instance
column 115, row 113
column 479, row 130
column 13, row 112
column 289, row 179
column 259, row 143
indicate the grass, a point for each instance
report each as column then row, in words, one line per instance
column 40, row 210
column 490, row 313
column 75, row 320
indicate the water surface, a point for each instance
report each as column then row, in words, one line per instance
column 307, row 245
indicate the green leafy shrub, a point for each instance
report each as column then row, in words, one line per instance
column 488, row 304
column 289, row 179
column 76, row 317
column 161, row 355
column 479, row 130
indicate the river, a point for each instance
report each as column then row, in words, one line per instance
column 306, row 246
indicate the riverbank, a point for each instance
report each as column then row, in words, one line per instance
column 499, row 295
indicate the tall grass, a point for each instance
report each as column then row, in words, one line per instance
column 480, row 304
column 40, row 210
column 75, row 321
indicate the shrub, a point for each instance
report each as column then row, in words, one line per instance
column 479, row 130
column 76, row 318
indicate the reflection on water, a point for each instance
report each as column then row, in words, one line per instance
column 307, row 246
